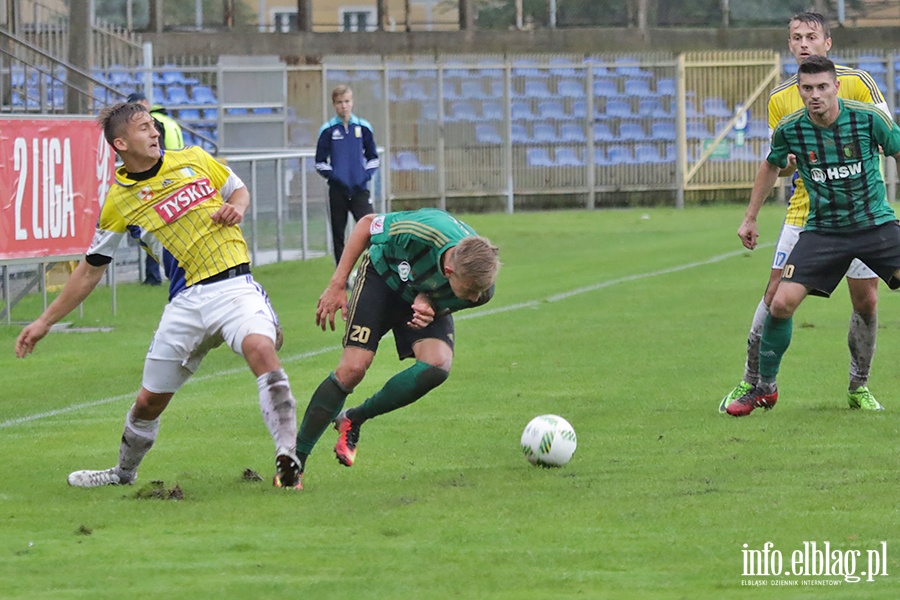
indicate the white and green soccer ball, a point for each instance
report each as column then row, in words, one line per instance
column 549, row 441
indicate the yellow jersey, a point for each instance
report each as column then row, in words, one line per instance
column 785, row 99
column 175, row 205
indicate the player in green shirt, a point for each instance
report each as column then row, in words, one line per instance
column 420, row 267
column 836, row 143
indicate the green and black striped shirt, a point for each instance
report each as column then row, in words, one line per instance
column 406, row 248
column 840, row 164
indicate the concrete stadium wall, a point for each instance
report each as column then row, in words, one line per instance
column 579, row 41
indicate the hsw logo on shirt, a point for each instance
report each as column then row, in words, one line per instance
column 184, row 199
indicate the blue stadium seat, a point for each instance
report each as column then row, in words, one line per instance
column 544, row 133
column 606, row 87
column 579, row 109
column 757, row 129
column 551, row 109
column 189, row 114
column 572, row 132
column 521, row 111
column 491, row 111
column 120, row 75
column 618, row 108
column 536, row 89
column 697, row 129
column 568, row 157
column 569, row 88
column 872, row 63
column 665, row 87
column 461, row 111
column 176, row 95
column 487, row 134
column 172, row 76
column 408, row 161
column 652, row 107
column 472, row 90
column 638, row 87
column 602, row 133
column 202, row 94
column 519, row 134
column 619, row 155
column 528, row 68
column 413, row 90
column 663, row 130
column 670, row 153
column 429, row 111
column 539, row 157
column 238, row 110
column 647, row 153
column 629, row 65
column 562, row 67
column 631, row 132
column 210, row 114
column 716, row 107
column 450, row 90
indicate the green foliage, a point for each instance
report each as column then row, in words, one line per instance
column 628, row 323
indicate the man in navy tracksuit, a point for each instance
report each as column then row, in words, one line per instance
column 347, row 158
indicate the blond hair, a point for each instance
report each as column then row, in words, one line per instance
column 476, row 259
column 340, row 91
column 114, row 119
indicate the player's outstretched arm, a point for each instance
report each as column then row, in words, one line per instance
column 334, row 298
column 81, row 283
column 762, row 185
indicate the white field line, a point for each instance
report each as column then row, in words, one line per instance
column 469, row 315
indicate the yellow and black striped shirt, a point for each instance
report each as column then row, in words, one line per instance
column 176, row 206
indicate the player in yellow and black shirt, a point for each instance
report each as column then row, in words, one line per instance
column 809, row 35
column 192, row 205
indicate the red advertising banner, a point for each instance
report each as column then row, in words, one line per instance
column 54, row 176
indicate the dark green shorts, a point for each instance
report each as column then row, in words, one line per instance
column 375, row 309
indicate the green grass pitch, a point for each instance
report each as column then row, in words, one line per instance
column 629, row 323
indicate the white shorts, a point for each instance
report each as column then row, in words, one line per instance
column 201, row 318
column 787, row 239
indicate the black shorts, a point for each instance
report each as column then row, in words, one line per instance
column 374, row 309
column 819, row 260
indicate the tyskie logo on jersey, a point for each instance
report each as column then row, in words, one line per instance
column 184, row 199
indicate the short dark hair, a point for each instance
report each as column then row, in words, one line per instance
column 816, row 64
column 813, row 18
column 114, row 119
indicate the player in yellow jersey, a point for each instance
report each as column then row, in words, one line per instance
column 809, row 35
column 192, row 205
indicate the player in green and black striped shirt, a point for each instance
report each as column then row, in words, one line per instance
column 836, row 143
column 421, row 266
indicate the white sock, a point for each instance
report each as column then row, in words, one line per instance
column 751, row 367
column 279, row 409
column 137, row 439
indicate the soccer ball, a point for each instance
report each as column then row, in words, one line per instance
column 548, row 441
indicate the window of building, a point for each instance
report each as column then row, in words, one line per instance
column 357, row 19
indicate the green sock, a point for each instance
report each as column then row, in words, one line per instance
column 325, row 404
column 400, row 390
column 776, row 337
